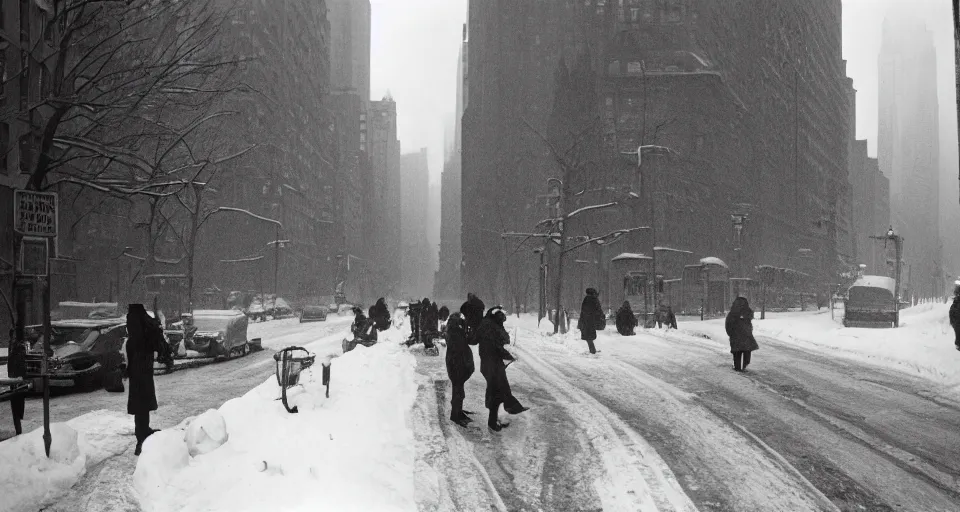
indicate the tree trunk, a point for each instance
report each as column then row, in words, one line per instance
column 563, row 245
column 191, row 250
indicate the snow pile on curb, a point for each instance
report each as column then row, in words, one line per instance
column 922, row 345
column 279, row 334
column 31, row 481
column 352, row 451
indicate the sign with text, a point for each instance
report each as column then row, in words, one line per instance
column 34, row 259
column 35, row 213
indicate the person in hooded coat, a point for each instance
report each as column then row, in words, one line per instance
column 380, row 315
column 472, row 311
column 591, row 318
column 144, row 338
column 626, row 320
column 955, row 316
column 429, row 322
column 492, row 337
column 666, row 317
column 460, row 366
column 739, row 326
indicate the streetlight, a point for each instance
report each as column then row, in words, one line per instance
column 116, row 264
column 542, row 279
column 278, row 244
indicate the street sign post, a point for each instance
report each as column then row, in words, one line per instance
column 35, row 226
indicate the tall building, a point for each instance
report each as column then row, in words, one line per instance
column 416, row 251
column 756, row 108
column 349, row 101
column 447, row 281
column 871, row 213
column 908, row 147
column 381, row 207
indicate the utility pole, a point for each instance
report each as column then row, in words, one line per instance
column 898, row 246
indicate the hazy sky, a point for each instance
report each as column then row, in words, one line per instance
column 414, row 56
column 415, row 45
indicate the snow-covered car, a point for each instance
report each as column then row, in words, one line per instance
column 870, row 303
column 221, row 333
column 332, row 308
column 84, row 352
column 313, row 314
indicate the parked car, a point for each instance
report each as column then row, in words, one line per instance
column 221, row 333
column 313, row 314
column 870, row 303
column 84, row 351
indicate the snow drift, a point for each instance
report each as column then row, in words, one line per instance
column 31, row 481
column 352, row 451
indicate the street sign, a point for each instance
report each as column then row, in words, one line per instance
column 35, row 213
column 34, row 261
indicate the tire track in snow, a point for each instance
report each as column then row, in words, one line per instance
column 853, row 460
column 632, row 466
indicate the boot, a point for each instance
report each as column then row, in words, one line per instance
column 593, row 349
column 138, row 449
column 18, row 428
column 492, row 421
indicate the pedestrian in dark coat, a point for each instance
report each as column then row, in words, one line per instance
column 739, row 327
column 666, row 317
column 626, row 320
column 380, row 315
column 17, row 368
column 955, row 316
column 144, row 338
column 492, row 338
column 472, row 311
column 460, row 366
column 362, row 327
column 429, row 322
column 591, row 318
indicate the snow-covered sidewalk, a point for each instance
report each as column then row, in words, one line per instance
column 30, row 481
column 352, row 451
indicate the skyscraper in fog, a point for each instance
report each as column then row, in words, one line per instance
column 908, row 146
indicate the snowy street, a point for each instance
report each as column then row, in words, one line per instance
column 799, row 431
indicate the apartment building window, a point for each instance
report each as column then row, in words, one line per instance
column 4, row 146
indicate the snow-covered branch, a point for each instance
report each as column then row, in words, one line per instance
column 613, row 235
column 590, row 208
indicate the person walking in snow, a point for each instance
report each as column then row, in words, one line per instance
column 460, row 366
column 666, row 317
column 144, row 338
column 591, row 319
column 955, row 316
column 492, row 337
column 626, row 320
column 472, row 311
column 380, row 315
column 739, row 326
column 362, row 327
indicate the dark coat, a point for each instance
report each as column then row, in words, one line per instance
column 492, row 338
column 591, row 318
column 144, row 337
column 739, row 327
column 17, row 359
column 665, row 316
column 380, row 315
column 459, row 356
column 955, row 313
column 472, row 311
column 626, row 320
column 430, row 318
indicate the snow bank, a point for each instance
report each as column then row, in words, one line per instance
column 352, row 451
column 922, row 345
column 279, row 334
column 31, row 481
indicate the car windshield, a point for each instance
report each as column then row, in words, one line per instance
column 79, row 335
column 211, row 324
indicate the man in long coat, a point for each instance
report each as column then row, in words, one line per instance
column 492, row 337
column 955, row 316
column 460, row 366
column 591, row 318
column 144, row 338
column 626, row 320
column 739, row 326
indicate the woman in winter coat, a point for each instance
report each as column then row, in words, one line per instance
column 739, row 327
column 492, row 337
column 460, row 366
column 380, row 315
column 955, row 316
column 144, row 338
column 591, row 318
column 626, row 320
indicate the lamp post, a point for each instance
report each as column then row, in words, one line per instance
column 116, row 266
column 541, row 278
